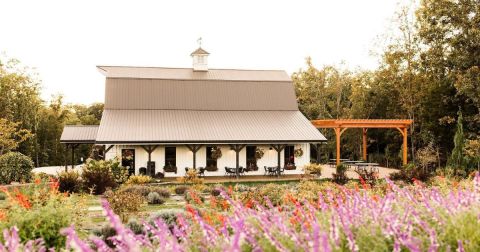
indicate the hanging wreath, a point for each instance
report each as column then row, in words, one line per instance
column 298, row 153
column 216, row 153
column 259, row 153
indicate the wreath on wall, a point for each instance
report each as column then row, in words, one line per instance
column 259, row 152
column 298, row 153
column 216, row 153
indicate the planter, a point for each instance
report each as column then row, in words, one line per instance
column 170, row 169
column 211, row 168
column 290, row 167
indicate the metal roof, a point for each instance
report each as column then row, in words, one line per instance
column 187, row 126
column 188, row 74
column 79, row 134
column 124, row 93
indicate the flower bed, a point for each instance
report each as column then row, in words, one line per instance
column 343, row 218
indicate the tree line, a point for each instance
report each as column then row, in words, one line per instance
column 33, row 126
column 429, row 71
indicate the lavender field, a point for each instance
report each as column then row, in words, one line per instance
column 443, row 216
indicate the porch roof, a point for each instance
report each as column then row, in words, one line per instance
column 79, row 134
column 200, row 126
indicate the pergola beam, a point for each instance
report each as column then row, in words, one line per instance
column 340, row 125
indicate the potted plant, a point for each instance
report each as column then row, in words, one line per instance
column 216, row 153
column 211, row 168
column 259, row 152
column 315, row 169
column 170, row 168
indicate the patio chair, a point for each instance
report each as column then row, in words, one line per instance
column 266, row 171
column 201, row 172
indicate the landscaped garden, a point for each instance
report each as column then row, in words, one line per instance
column 103, row 209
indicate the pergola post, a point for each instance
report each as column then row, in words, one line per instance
column 194, row 148
column 405, row 146
column 279, row 148
column 149, row 149
column 73, row 146
column 237, row 148
column 364, row 144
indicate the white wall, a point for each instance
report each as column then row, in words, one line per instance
column 185, row 159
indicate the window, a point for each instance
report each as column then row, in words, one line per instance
column 251, row 159
column 211, row 161
column 128, row 160
column 288, row 154
column 170, row 156
column 201, row 60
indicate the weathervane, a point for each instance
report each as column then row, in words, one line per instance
column 199, row 41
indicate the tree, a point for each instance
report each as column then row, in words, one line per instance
column 472, row 149
column 457, row 157
column 11, row 136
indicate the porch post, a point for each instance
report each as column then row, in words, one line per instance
column 364, row 144
column 194, row 148
column 279, row 148
column 149, row 149
column 237, row 148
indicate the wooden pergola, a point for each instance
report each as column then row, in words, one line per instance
column 340, row 125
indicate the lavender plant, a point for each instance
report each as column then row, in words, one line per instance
column 412, row 218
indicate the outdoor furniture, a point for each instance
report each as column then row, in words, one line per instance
column 272, row 170
column 233, row 171
column 364, row 166
column 201, row 172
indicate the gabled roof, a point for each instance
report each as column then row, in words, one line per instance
column 186, row 126
column 199, row 51
column 125, row 93
column 79, row 134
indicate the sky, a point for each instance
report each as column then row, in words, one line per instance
column 65, row 40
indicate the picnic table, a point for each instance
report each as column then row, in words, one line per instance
column 365, row 166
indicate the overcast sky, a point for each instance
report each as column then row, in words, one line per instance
column 65, row 40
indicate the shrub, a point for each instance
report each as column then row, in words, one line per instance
column 164, row 193
column 340, row 176
column 105, row 233
column 308, row 190
column 120, row 173
column 409, row 173
column 69, row 181
column 180, row 190
column 97, row 176
column 155, row 199
column 124, row 203
column 136, row 227
column 192, row 196
column 313, row 169
column 15, row 166
column 41, row 211
column 169, row 218
column 43, row 176
column 191, row 177
column 273, row 192
column 137, row 189
column 139, row 180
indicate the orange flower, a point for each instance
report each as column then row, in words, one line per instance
column 375, row 198
column 249, row 204
column 225, row 205
column 213, row 202
column 37, row 181
column 23, row 200
column 3, row 215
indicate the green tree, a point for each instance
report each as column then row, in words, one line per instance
column 457, row 157
column 11, row 136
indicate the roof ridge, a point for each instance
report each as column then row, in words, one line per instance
column 157, row 67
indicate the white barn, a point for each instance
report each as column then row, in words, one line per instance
column 214, row 120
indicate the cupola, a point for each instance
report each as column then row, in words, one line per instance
column 200, row 56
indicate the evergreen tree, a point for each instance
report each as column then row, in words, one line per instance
column 456, row 159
